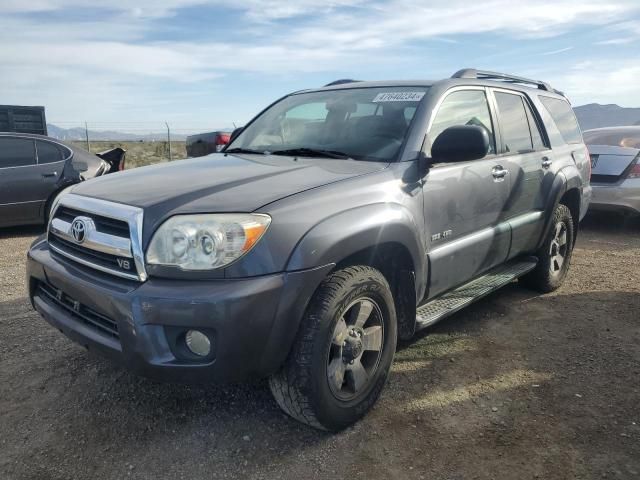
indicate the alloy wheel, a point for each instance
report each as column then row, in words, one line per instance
column 356, row 348
column 558, row 248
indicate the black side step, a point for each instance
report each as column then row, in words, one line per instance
column 443, row 306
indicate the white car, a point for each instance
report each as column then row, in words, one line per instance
column 615, row 168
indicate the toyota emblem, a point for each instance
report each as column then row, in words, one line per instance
column 79, row 230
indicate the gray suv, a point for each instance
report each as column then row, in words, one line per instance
column 339, row 220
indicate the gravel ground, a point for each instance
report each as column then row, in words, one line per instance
column 517, row 386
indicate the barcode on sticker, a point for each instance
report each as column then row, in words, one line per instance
column 399, row 97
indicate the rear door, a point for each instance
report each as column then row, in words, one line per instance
column 19, row 203
column 51, row 159
column 529, row 160
column 464, row 202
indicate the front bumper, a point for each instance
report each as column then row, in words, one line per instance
column 623, row 196
column 251, row 322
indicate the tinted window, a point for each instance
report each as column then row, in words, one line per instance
column 536, row 136
column 615, row 137
column 464, row 107
column 48, row 152
column 513, row 121
column 565, row 119
column 16, row 152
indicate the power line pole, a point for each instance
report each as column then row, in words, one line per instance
column 86, row 133
column 169, row 140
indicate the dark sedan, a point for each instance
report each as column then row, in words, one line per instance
column 35, row 168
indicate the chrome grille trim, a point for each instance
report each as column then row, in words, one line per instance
column 102, row 242
column 133, row 216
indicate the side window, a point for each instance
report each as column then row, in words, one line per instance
column 48, row 152
column 464, row 107
column 308, row 111
column 514, row 123
column 16, row 152
column 536, row 136
column 563, row 116
column 366, row 110
column 409, row 112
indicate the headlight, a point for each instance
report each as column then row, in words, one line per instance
column 205, row 242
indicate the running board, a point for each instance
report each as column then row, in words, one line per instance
column 452, row 301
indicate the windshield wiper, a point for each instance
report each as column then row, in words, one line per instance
column 313, row 152
column 244, row 150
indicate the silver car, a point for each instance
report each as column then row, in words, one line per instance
column 615, row 168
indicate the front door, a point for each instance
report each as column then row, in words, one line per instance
column 464, row 202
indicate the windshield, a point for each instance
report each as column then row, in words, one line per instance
column 616, row 137
column 361, row 123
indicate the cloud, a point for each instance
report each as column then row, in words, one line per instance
column 555, row 52
column 603, row 82
column 73, row 48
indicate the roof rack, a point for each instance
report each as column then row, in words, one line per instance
column 341, row 81
column 487, row 75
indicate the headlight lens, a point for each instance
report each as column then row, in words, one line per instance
column 205, row 242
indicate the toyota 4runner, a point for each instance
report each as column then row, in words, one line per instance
column 337, row 221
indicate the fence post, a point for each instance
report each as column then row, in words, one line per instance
column 169, row 140
column 86, row 133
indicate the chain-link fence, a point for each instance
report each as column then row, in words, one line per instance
column 145, row 142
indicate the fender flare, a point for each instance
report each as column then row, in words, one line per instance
column 568, row 178
column 336, row 238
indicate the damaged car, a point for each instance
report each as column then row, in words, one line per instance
column 35, row 168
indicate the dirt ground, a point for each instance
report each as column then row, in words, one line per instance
column 517, row 386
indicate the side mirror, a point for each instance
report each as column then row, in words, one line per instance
column 235, row 133
column 460, row 143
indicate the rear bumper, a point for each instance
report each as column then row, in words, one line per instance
column 251, row 322
column 624, row 196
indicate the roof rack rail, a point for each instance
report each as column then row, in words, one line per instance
column 341, row 81
column 487, row 75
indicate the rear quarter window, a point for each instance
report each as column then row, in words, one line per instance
column 48, row 152
column 564, row 118
column 16, row 152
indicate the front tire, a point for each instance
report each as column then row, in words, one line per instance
column 343, row 352
column 554, row 256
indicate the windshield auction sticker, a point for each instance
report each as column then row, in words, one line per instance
column 398, row 97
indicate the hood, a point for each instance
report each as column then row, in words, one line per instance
column 220, row 183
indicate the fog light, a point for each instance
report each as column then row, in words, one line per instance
column 198, row 342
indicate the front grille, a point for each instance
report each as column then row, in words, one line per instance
column 118, row 228
column 109, row 238
column 85, row 255
column 76, row 310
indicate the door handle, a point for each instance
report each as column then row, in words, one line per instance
column 46, row 175
column 498, row 172
column 546, row 162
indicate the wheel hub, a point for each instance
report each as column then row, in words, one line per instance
column 356, row 348
column 352, row 347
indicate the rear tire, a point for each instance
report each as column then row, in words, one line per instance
column 343, row 352
column 554, row 257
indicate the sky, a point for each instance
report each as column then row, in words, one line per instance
column 206, row 64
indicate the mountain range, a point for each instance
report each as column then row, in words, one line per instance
column 592, row 115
